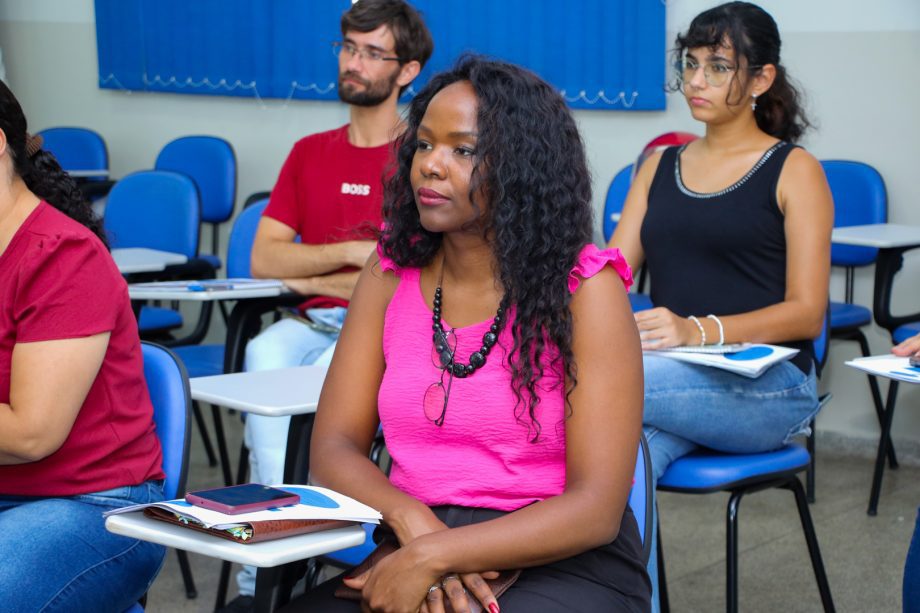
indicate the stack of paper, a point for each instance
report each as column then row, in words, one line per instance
column 890, row 366
column 749, row 360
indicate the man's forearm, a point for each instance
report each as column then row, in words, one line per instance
column 336, row 285
column 284, row 260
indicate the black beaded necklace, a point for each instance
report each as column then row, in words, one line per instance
column 446, row 356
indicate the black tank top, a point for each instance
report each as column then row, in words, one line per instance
column 722, row 253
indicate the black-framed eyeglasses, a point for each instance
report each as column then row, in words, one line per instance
column 350, row 50
column 443, row 350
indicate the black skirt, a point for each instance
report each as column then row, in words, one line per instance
column 606, row 579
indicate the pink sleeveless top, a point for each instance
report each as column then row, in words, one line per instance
column 482, row 455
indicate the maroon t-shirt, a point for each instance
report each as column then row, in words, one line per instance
column 57, row 281
column 331, row 191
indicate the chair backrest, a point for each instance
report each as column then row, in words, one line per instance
column 243, row 234
column 859, row 198
column 662, row 141
column 167, row 382
column 77, row 148
column 211, row 163
column 154, row 209
column 616, row 197
column 821, row 343
column 641, row 499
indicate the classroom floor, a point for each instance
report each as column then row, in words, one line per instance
column 864, row 556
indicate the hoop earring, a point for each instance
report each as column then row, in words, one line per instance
column 753, row 102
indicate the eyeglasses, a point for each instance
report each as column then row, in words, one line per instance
column 442, row 356
column 716, row 74
column 350, row 50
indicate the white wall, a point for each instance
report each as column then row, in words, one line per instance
column 856, row 61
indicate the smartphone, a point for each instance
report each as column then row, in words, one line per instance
column 915, row 360
column 244, row 498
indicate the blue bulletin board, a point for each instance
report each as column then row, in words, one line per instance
column 601, row 54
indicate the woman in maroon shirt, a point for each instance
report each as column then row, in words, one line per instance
column 76, row 424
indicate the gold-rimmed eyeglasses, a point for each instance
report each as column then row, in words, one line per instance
column 350, row 50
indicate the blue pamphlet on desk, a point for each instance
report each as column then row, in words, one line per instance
column 746, row 359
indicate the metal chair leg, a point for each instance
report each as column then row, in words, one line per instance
column 203, row 430
column 812, row 468
column 811, row 540
column 731, row 552
column 221, row 445
column 876, row 396
column 883, row 443
column 664, row 603
column 190, row 590
column 222, row 584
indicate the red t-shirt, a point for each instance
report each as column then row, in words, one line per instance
column 57, row 281
column 331, row 191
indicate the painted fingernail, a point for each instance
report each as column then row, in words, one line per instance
column 493, row 607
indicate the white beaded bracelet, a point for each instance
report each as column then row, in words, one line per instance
column 721, row 329
column 700, row 326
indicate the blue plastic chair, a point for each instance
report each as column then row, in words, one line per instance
column 168, row 385
column 860, row 198
column 613, row 206
column 158, row 210
column 705, row 471
column 207, row 360
column 211, row 163
column 77, row 149
column 81, row 149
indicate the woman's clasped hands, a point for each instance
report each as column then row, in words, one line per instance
column 407, row 579
column 401, row 583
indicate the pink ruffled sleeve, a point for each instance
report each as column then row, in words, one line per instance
column 385, row 262
column 592, row 260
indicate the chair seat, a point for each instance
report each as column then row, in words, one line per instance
column 158, row 318
column 845, row 315
column 906, row 331
column 201, row 360
column 355, row 555
column 709, row 471
column 213, row 260
column 640, row 302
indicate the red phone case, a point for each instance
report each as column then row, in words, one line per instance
column 238, row 509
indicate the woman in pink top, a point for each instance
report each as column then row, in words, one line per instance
column 496, row 347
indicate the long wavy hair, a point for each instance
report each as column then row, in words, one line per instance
column 41, row 172
column 754, row 36
column 530, row 160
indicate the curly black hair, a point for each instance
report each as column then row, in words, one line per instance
column 41, row 172
column 530, row 160
column 754, row 36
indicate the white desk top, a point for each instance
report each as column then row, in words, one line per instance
column 98, row 172
column 283, row 391
column 881, row 235
column 140, row 259
column 136, row 292
column 264, row 554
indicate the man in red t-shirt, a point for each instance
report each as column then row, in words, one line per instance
column 330, row 193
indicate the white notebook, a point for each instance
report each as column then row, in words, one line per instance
column 751, row 360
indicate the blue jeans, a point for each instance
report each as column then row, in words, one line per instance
column 687, row 405
column 57, row 555
column 911, row 588
column 288, row 343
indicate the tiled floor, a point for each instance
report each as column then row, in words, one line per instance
column 864, row 556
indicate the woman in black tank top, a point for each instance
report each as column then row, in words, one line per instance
column 735, row 230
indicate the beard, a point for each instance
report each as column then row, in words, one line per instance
column 374, row 93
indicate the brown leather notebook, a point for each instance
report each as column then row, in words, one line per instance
column 261, row 530
column 389, row 544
